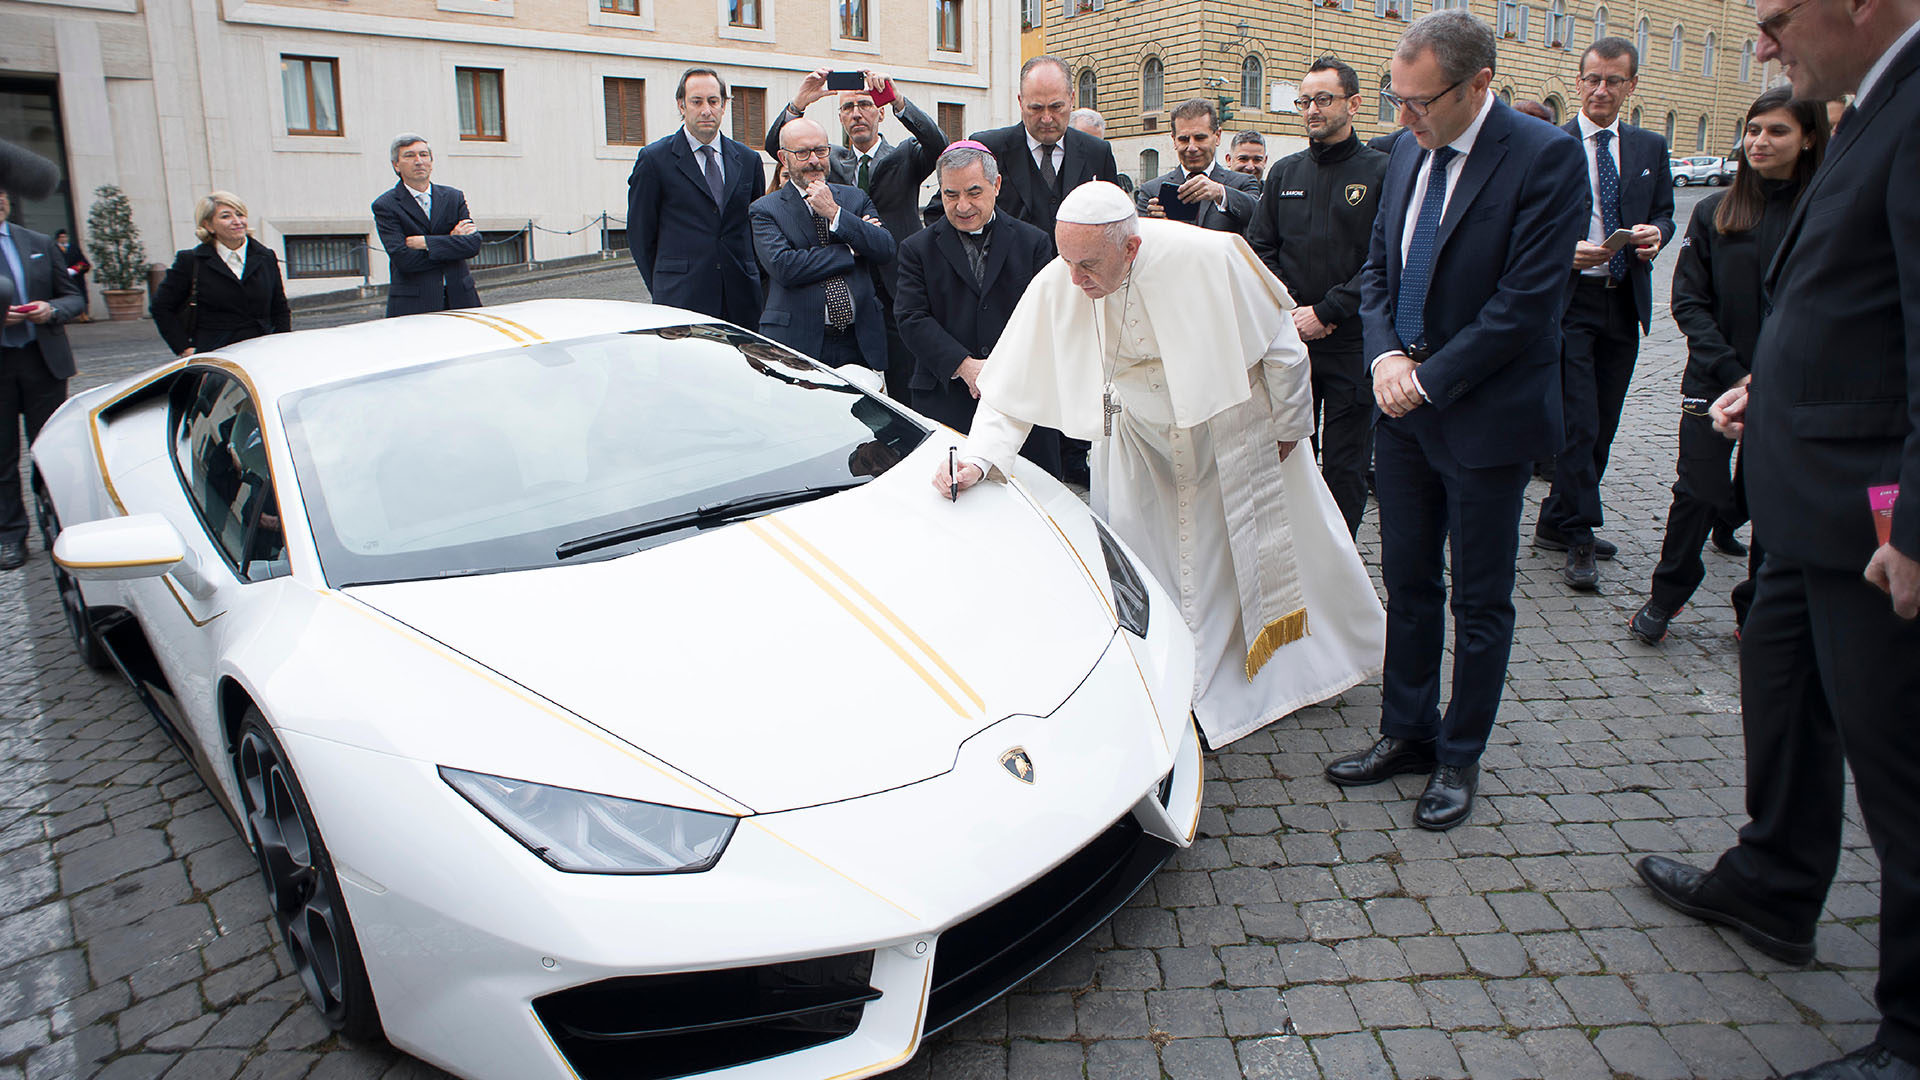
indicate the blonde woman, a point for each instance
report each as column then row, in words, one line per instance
column 226, row 290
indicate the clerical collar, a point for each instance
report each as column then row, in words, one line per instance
column 1339, row 151
column 982, row 230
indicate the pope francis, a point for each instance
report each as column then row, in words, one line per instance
column 1171, row 349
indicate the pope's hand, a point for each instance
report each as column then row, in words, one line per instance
column 1893, row 573
column 969, row 373
column 1729, row 412
column 1394, row 387
column 970, row 475
column 1309, row 324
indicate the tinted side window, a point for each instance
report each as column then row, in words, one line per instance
column 222, row 461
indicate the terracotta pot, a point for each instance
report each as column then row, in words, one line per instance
column 125, row 303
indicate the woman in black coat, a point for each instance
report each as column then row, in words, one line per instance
column 1718, row 305
column 226, row 290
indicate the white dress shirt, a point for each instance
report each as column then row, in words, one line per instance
column 235, row 258
column 1879, row 68
column 1033, row 151
column 1596, row 232
column 700, row 160
column 424, row 199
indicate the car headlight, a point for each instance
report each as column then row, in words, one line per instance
column 584, row 833
column 1129, row 592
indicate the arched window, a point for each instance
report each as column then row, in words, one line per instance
column 1089, row 95
column 1676, row 48
column 1636, row 116
column 1506, row 95
column 1700, row 139
column 1153, row 85
column 1706, row 55
column 1149, row 165
column 1739, row 137
column 1640, row 40
column 1252, row 82
column 1669, row 127
column 1388, row 114
column 1599, row 22
column 1746, row 62
column 1554, row 106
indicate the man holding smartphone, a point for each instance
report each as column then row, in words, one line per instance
column 1630, row 190
column 1200, row 190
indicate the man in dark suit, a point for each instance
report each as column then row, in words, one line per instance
column 889, row 173
column 820, row 242
column 428, row 234
column 1248, row 155
column 960, row 280
column 1225, row 199
column 687, row 201
column 1629, row 186
column 1460, row 307
column 1827, row 657
column 35, row 359
column 1041, row 158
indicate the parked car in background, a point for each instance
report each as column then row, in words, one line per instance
column 1701, row 169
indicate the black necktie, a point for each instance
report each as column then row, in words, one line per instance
column 712, row 168
column 1047, row 175
column 839, row 297
column 866, row 171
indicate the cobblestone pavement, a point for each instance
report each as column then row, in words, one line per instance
column 1309, row 931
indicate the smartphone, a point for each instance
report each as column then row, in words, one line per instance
column 884, row 96
column 846, row 80
column 1620, row 238
column 1176, row 210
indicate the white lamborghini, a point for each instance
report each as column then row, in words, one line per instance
column 606, row 692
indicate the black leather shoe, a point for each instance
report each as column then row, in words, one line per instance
column 1726, row 543
column 13, row 554
column 1580, row 572
column 1448, row 798
column 1649, row 624
column 1386, row 758
column 1604, row 550
column 1693, row 891
column 1870, row 1062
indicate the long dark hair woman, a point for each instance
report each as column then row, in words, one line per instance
column 1717, row 304
column 226, row 290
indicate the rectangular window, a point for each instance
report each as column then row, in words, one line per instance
column 501, row 249
column 311, row 85
column 1522, row 16
column 952, row 117
column 750, row 115
column 1030, row 14
column 948, row 15
column 620, row 7
column 326, row 256
column 482, row 104
column 853, row 20
column 612, row 239
column 626, row 111
column 743, row 13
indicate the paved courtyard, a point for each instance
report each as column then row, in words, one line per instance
column 1310, row 931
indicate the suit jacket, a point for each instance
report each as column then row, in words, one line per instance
column 692, row 253
column 944, row 315
column 1646, row 198
column 799, row 264
column 434, row 279
column 1241, row 198
column 1022, row 194
column 1384, row 143
column 1835, row 406
column 226, row 310
column 1499, row 286
column 47, row 279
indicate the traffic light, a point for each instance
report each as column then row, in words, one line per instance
column 1226, row 108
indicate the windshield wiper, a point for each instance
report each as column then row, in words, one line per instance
column 719, row 513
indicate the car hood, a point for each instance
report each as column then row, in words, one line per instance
column 833, row 650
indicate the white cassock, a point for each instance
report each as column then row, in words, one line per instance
column 1201, row 356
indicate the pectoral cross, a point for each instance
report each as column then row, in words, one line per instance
column 1110, row 408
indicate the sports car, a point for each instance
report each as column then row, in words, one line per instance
column 606, row 692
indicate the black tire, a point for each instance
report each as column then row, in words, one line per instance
column 73, row 606
column 301, row 886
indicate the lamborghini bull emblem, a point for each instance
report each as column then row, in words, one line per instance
column 1018, row 764
column 1356, row 192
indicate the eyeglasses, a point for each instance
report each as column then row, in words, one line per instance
column 811, row 152
column 1776, row 22
column 1320, row 100
column 1420, row 106
column 1612, row 82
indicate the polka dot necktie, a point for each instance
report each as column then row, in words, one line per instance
column 839, row 297
column 1410, row 306
column 1609, row 200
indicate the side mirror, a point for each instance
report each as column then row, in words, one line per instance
column 119, row 549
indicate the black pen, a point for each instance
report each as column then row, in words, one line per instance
column 953, row 478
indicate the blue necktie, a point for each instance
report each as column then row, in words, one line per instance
column 1410, row 307
column 14, row 337
column 1609, row 200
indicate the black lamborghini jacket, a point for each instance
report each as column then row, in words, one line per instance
column 1313, row 227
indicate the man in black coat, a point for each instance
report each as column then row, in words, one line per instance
column 890, row 173
column 1629, row 186
column 687, row 201
column 35, row 360
column 820, row 242
column 1312, row 229
column 1224, row 199
column 1828, row 671
column 960, row 280
column 428, row 234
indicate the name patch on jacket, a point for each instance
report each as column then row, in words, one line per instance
column 1293, row 193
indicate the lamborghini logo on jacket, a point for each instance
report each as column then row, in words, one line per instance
column 1356, row 192
column 1018, row 764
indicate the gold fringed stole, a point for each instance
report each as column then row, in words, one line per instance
column 1285, row 630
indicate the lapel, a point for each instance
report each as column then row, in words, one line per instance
column 1489, row 150
column 1024, row 174
column 947, row 239
column 683, row 157
column 799, row 223
column 409, row 205
column 1402, row 167
column 996, row 258
column 739, row 168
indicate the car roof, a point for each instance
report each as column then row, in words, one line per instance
column 281, row 364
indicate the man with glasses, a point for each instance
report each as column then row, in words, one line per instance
column 1221, row 199
column 1312, row 230
column 1629, row 186
column 1460, row 307
column 1828, row 677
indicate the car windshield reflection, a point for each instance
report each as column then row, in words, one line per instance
column 493, row 462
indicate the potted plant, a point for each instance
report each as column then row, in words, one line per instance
column 119, row 259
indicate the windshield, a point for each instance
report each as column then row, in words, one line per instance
column 494, row 462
